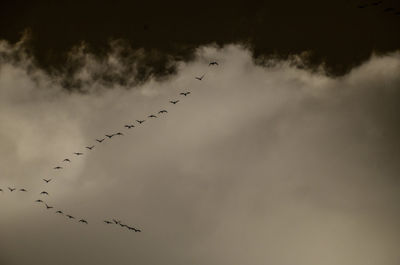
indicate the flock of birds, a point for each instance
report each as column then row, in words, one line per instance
column 386, row 9
column 90, row 148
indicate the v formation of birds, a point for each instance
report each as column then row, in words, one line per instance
column 90, row 148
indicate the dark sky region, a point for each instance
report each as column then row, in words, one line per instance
column 286, row 152
column 337, row 33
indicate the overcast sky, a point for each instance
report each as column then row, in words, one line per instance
column 260, row 164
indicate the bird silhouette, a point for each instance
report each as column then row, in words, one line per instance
column 47, row 180
column 44, row 192
column 174, row 101
column 12, row 189
column 129, row 126
column 185, row 93
column 58, row 167
column 152, row 116
column 48, row 207
column 90, row 147
column 83, row 221
column 38, row 201
column 78, row 154
column 201, row 77
column 162, row 111
column 140, row 121
column 388, row 9
column 60, row 212
column 109, row 135
column 101, row 140
column 119, row 133
column 213, row 63
column 66, row 160
column 70, row 216
column 24, row 190
column 107, row 222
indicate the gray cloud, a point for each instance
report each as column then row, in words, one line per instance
column 259, row 165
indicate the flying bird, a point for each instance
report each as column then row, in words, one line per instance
column 78, row 154
column 38, row 201
column 213, row 63
column 119, row 133
column 83, row 221
column 200, row 78
column 90, row 147
column 12, row 189
column 109, row 136
column 152, row 116
column 174, row 101
column 47, row 180
column 23, row 190
column 60, row 212
column 48, row 207
column 388, row 9
column 66, row 160
column 129, row 126
column 140, row 121
column 70, row 216
column 44, row 192
column 185, row 93
column 58, row 167
column 101, row 140
column 163, row 111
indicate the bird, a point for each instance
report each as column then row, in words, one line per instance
column 83, row 221
column 47, row 180
column 163, row 111
column 152, row 116
column 213, row 63
column 78, row 154
column 58, row 167
column 70, row 216
column 185, row 93
column 109, row 136
column 90, row 147
column 60, row 212
column 12, row 189
column 200, row 78
column 140, row 121
column 44, row 192
column 48, row 207
column 101, row 140
column 66, row 160
column 38, row 201
column 119, row 133
column 129, row 126
column 174, row 101
column 107, row 222
column 23, row 190
column 388, row 9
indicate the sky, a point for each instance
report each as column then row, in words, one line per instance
column 273, row 158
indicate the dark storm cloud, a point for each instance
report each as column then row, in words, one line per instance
column 259, row 165
column 336, row 33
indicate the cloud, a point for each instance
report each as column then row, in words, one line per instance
column 258, row 165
